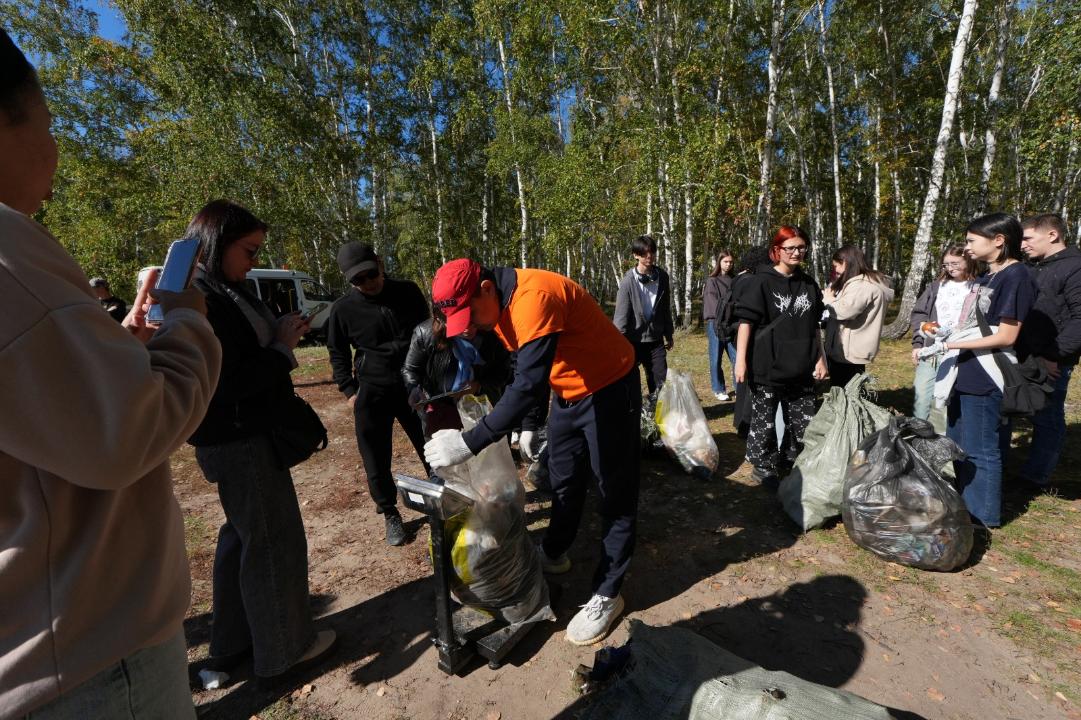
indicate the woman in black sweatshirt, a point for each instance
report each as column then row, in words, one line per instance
column 779, row 353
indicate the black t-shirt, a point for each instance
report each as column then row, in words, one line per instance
column 1012, row 294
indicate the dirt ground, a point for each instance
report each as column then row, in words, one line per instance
column 999, row 639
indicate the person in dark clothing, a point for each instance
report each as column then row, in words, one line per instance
column 368, row 333
column 778, row 314
column 1051, row 332
column 261, row 601
column 436, row 365
column 644, row 312
column 565, row 341
column 715, row 295
column 113, row 305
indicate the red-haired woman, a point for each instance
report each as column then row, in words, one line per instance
column 779, row 352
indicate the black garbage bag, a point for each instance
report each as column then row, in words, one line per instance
column 897, row 504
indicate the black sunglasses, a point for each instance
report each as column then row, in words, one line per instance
column 365, row 276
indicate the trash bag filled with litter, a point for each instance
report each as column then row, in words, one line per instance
column 496, row 567
column 684, row 430
column 898, row 506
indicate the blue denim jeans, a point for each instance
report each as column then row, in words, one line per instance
column 716, row 372
column 975, row 423
column 1048, row 432
column 261, row 563
column 149, row 684
column 924, row 387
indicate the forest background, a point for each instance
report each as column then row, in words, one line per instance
column 549, row 134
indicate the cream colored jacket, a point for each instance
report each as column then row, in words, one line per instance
column 92, row 559
column 861, row 310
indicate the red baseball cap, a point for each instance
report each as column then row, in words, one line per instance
column 453, row 286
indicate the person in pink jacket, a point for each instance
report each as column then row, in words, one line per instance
column 94, row 580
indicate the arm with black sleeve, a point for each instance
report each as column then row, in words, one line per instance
column 1068, row 340
column 529, row 387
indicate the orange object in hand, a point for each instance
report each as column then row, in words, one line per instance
column 929, row 327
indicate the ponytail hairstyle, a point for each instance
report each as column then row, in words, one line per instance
column 783, row 234
column 219, row 224
column 988, row 226
column 957, row 251
column 721, row 255
column 856, row 264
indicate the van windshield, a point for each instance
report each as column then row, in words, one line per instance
column 315, row 291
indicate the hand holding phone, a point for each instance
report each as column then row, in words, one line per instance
column 312, row 312
column 176, row 273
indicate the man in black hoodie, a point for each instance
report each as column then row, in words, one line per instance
column 376, row 320
column 1051, row 332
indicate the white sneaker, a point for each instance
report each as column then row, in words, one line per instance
column 593, row 621
column 553, row 566
column 723, row 397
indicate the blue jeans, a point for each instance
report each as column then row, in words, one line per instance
column 149, row 684
column 716, row 373
column 975, row 423
column 261, row 563
column 1048, row 432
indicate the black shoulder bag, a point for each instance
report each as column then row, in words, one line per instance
column 1026, row 385
column 297, row 432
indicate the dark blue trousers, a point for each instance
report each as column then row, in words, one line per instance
column 597, row 438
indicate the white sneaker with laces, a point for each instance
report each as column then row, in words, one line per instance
column 723, row 397
column 594, row 620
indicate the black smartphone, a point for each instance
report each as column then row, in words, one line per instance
column 176, row 273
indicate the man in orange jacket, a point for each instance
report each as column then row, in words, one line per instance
column 564, row 339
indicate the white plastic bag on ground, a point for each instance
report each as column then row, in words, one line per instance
column 496, row 568
column 811, row 493
column 683, row 426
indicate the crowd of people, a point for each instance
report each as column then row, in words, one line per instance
column 95, row 579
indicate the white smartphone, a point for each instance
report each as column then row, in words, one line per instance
column 309, row 314
column 176, row 273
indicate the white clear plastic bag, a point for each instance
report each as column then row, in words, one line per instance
column 683, row 426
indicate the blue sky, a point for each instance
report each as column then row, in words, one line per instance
column 110, row 25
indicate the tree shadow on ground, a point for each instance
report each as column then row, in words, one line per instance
column 810, row 630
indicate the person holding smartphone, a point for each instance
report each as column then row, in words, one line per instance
column 261, row 604
column 94, row 579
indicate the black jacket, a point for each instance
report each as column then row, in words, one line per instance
column 378, row 328
column 1052, row 329
column 629, row 319
column 784, row 311
column 428, row 367
column 254, row 380
column 924, row 311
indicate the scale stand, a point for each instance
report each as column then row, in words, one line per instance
column 461, row 632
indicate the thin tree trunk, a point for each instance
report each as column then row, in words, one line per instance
column 762, row 213
column 436, row 181
column 989, row 140
column 921, row 246
column 523, row 232
column 833, row 125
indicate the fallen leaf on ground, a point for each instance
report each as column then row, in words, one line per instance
column 1074, row 624
column 381, row 691
column 935, row 695
column 1008, row 579
column 493, row 715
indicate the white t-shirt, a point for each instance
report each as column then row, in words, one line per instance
column 950, row 300
column 649, row 292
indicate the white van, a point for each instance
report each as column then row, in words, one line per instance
column 284, row 291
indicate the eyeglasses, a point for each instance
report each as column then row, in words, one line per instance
column 952, row 265
column 364, row 277
column 795, row 250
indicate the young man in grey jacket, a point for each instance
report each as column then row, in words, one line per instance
column 644, row 311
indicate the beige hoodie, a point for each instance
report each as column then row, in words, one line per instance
column 861, row 310
column 92, row 559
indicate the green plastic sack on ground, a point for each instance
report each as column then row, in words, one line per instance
column 811, row 493
column 676, row 674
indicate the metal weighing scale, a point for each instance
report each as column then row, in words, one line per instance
column 461, row 632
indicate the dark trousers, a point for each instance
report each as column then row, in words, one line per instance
column 261, row 563
column 375, row 410
column 654, row 358
column 842, row 372
column 797, row 403
column 597, row 437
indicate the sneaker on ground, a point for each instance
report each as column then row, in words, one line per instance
column 594, row 620
column 323, row 645
column 396, row 534
column 722, row 396
column 553, row 566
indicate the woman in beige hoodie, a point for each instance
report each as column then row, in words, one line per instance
column 856, row 303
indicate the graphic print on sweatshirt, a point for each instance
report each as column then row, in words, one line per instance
column 799, row 304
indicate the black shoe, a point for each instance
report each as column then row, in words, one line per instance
column 396, row 534
column 227, row 663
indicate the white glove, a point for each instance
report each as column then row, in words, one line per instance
column 938, row 347
column 529, row 444
column 446, row 448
